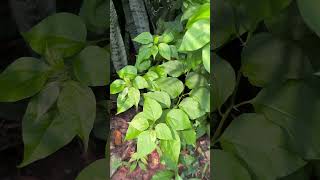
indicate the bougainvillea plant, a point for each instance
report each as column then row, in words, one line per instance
column 170, row 80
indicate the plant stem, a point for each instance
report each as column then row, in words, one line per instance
column 242, row 103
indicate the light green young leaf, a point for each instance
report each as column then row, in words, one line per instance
column 132, row 133
column 171, row 148
column 145, row 144
column 77, row 103
column 163, row 132
column 192, row 108
column 117, row 86
column 144, row 38
column 163, row 175
column 165, row 51
column 206, row 57
column 189, row 136
column 203, row 12
column 152, row 109
column 166, row 38
column 64, row 32
column 195, row 80
column 92, row 66
column 124, row 102
column 154, row 51
column 140, row 82
column 22, row 79
column 161, row 97
column 140, row 122
column 174, row 68
column 173, row 86
column 202, row 95
column 129, row 72
column 197, row 36
column 178, row 119
column 134, row 94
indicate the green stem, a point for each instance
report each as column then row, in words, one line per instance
column 242, row 103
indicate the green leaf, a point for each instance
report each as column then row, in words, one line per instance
column 77, row 103
column 145, row 52
column 195, row 80
column 160, row 70
column 144, row 38
column 140, row 122
column 124, row 102
column 178, row 119
column 174, row 52
column 165, row 51
column 92, row 66
column 189, row 136
column 133, row 166
column 256, row 11
column 152, row 109
column 129, row 72
column 171, row 148
column 262, row 145
column 140, row 83
column 291, row 105
column 163, row 175
column 174, row 68
column 154, row 51
column 192, row 108
column 43, row 101
column 64, row 32
column 310, row 14
column 202, row 95
column 203, row 12
column 117, row 86
column 134, row 94
column 142, row 166
column 224, row 81
column 206, row 57
column 93, row 14
column 163, row 132
column 95, row 171
column 166, row 38
column 161, row 97
column 145, row 144
column 132, row 133
column 45, row 136
column 197, row 36
column 22, row 79
column 173, row 86
column 142, row 64
column 224, row 21
column 224, row 162
column 262, row 70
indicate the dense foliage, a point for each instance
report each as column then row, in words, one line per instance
column 62, row 105
column 274, row 134
column 170, row 80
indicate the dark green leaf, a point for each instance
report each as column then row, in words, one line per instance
column 22, row 79
column 64, row 32
column 92, row 66
column 77, row 103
